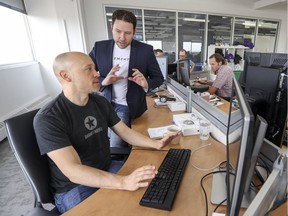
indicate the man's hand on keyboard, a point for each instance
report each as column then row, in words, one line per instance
column 139, row 178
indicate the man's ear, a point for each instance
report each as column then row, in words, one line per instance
column 65, row 75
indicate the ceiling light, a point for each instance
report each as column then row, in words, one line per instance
column 194, row 20
column 249, row 23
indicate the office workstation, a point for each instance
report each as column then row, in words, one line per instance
column 190, row 199
column 76, row 25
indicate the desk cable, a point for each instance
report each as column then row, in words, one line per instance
column 205, row 194
column 221, row 170
column 202, row 169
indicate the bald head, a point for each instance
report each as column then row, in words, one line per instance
column 65, row 61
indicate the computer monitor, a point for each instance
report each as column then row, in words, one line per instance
column 236, row 183
column 259, row 132
column 264, row 80
column 163, row 64
column 183, row 72
column 252, row 138
column 172, row 68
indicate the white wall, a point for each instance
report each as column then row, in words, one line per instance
column 24, row 84
column 95, row 17
column 18, row 86
column 48, row 19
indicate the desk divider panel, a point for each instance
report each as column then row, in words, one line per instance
column 215, row 115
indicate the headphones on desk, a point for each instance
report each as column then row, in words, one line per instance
column 164, row 99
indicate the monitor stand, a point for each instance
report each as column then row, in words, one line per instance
column 219, row 191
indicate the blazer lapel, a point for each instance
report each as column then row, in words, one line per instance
column 110, row 53
column 132, row 61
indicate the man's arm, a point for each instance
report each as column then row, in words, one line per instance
column 192, row 67
column 212, row 89
column 68, row 161
column 137, row 139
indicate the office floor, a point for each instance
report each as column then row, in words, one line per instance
column 16, row 196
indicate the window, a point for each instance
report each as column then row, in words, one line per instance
column 14, row 39
column 244, row 30
column 173, row 30
column 219, row 30
column 191, row 31
column 266, row 36
column 161, row 26
column 157, row 44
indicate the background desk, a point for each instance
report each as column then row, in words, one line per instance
column 189, row 199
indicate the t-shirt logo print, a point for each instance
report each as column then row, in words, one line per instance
column 90, row 122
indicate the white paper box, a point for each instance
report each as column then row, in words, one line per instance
column 188, row 122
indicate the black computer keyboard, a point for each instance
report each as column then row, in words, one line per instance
column 162, row 190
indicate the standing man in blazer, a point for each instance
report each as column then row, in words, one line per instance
column 128, row 69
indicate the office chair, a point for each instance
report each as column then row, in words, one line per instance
column 118, row 153
column 22, row 140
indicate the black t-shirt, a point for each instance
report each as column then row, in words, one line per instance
column 62, row 123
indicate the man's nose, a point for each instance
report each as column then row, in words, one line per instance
column 97, row 74
column 122, row 36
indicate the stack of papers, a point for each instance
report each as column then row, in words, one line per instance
column 215, row 101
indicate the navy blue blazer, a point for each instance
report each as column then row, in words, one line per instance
column 142, row 58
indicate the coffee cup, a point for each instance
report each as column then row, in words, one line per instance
column 174, row 129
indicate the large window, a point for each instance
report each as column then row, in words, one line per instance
column 191, row 31
column 161, row 26
column 266, row 36
column 173, row 30
column 14, row 39
column 219, row 30
column 244, row 30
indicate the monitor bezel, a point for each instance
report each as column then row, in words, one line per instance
column 163, row 62
column 246, row 143
column 183, row 72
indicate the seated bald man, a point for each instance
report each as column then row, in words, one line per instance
column 72, row 130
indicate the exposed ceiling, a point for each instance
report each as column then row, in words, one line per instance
column 270, row 4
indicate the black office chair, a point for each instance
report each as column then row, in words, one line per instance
column 120, row 154
column 22, row 140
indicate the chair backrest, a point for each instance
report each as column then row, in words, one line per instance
column 22, row 140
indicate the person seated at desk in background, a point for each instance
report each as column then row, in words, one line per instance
column 73, row 131
column 127, row 58
column 158, row 52
column 222, row 85
column 183, row 55
column 236, row 61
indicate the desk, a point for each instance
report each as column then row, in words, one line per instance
column 189, row 200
